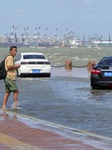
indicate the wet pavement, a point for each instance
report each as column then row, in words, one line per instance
column 26, row 133
column 72, row 116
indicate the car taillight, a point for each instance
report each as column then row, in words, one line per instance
column 94, row 71
column 23, row 63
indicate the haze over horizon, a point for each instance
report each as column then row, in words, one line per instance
column 83, row 17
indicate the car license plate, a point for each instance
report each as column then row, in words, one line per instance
column 108, row 74
column 35, row 71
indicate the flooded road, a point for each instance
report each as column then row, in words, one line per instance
column 67, row 100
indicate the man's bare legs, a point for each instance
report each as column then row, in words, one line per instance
column 15, row 98
column 5, row 100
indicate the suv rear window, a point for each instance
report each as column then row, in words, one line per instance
column 34, row 57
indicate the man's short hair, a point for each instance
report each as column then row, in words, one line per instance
column 13, row 47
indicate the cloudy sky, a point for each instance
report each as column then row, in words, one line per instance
column 84, row 17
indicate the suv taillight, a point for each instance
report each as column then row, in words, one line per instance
column 94, row 71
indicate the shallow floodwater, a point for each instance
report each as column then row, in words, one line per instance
column 67, row 99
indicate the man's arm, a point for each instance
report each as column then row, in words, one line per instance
column 13, row 67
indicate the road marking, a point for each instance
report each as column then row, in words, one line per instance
column 15, row 144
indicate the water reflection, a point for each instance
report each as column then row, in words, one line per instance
column 101, row 96
column 96, row 95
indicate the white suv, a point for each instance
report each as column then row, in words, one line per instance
column 33, row 65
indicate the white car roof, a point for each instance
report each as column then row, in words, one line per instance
column 26, row 53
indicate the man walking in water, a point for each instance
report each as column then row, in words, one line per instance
column 10, row 80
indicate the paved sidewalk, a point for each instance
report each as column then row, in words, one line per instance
column 18, row 132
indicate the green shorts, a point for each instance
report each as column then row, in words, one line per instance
column 10, row 85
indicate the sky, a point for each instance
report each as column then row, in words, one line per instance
column 83, row 17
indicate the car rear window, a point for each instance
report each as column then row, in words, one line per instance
column 106, row 61
column 34, row 57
